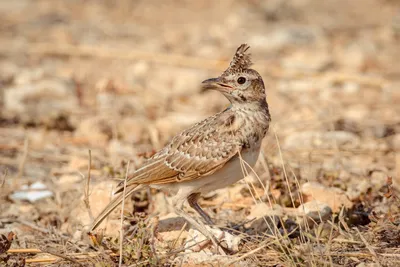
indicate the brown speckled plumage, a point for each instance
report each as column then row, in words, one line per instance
column 205, row 156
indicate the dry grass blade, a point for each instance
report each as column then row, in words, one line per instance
column 87, row 188
column 273, row 229
column 283, row 167
column 63, row 257
column 368, row 246
column 121, row 230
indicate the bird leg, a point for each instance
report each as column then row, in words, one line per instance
column 199, row 225
column 192, row 200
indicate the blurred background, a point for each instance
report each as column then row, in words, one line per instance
column 122, row 77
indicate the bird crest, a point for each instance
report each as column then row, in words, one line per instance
column 241, row 60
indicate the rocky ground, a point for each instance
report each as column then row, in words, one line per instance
column 104, row 83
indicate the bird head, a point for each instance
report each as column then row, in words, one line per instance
column 239, row 83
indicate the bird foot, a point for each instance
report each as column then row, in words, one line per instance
column 224, row 242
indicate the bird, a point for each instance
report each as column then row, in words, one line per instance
column 5, row 242
column 208, row 155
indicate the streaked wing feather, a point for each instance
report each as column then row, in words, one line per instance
column 197, row 151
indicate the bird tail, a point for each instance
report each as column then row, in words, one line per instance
column 113, row 205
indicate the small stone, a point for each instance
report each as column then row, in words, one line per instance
column 316, row 210
column 100, row 195
column 265, row 225
column 378, row 179
column 170, row 222
column 361, row 187
column 335, row 198
column 263, row 209
column 32, row 193
column 263, row 218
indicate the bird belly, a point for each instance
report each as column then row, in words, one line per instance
column 234, row 171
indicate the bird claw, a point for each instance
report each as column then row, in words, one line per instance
column 224, row 243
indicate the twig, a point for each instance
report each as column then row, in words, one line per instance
column 41, row 260
column 24, row 250
column 62, row 256
column 121, row 231
column 87, row 188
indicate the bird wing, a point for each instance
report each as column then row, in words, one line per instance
column 198, row 151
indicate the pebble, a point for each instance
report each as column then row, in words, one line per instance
column 335, row 198
column 316, row 210
column 100, row 195
column 32, row 193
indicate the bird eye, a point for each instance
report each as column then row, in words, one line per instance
column 241, row 80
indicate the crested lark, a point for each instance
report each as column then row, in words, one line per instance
column 207, row 156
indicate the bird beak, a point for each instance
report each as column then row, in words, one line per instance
column 216, row 84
